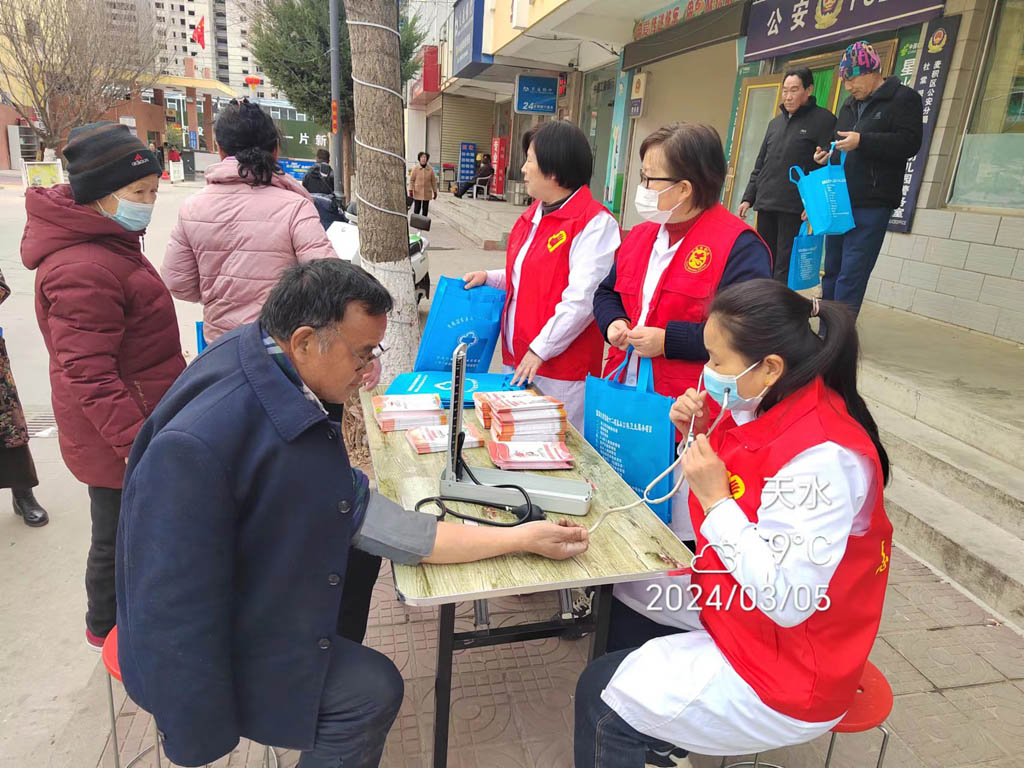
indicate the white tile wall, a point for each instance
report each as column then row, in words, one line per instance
column 975, row 227
column 991, row 259
column 947, row 253
column 920, row 275
column 1002, row 292
column 959, row 282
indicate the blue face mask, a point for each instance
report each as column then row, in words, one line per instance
column 132, row 216
column 724, row 390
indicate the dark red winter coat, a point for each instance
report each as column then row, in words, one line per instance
column 109, row 326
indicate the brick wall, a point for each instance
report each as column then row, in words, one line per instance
column 963, row 268
column 960, row 267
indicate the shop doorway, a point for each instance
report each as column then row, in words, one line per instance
column 596, row 120
column 759, row 100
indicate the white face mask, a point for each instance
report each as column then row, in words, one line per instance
column 646, row 203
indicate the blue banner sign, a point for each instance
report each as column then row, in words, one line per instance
column 776, row 27
column 467, row 161
column 295, row 168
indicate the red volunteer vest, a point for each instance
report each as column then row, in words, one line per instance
column 685, row 290
column 543, row 277
column 809, row 672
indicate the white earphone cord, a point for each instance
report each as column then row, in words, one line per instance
column 671, row 467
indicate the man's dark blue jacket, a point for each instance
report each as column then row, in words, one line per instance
column 231, row 551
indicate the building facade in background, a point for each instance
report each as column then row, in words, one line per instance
column 955, row 251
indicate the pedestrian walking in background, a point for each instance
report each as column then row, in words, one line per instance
column 880, row 126
column 791, row 139
column 234, row 239
column 108, row 323
column 558, row 252
column 422, row 184
column 319, row 180
column 17, row 470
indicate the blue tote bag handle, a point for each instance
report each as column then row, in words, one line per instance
column 614, row 375
column 645, row 375
column 798, row 172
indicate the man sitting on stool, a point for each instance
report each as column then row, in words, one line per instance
column 240, row 510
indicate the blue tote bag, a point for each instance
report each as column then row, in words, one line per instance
column 630, row 428
column 805, row 260
column 825, row 196
column 457, row 316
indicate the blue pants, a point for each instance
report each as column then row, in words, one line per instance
column 850, row 258
column 602, row 738
column 362, row 695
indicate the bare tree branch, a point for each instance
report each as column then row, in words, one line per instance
column 66, row 62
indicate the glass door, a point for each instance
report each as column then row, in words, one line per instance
column 759, row 103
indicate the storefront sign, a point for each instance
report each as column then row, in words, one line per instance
column 536, row 95
column 468, row 58
column 499, row 159
column 301, row 139
column 636, row 94
column 776, row 27
column 424, row 88
column 932, row 68
column 467, row 161
column 193, row 139
column 674, row 13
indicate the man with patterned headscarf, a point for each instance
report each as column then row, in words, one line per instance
column 880, row 126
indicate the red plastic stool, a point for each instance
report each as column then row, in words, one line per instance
column 871, row 705
column 114, row 670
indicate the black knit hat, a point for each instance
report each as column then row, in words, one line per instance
column 103, row 157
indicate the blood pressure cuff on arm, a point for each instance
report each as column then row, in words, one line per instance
column 389, row 530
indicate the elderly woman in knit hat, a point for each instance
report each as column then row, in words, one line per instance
column 108, row 323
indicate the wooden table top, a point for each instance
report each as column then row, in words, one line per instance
column 628, row 546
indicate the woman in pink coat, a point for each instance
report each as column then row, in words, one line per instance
column 235, row 238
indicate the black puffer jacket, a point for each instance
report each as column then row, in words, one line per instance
column 890, row 133
column 789, row 141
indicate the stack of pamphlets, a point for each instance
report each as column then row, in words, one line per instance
column 435, row 439
column 395, row 412
column 527, row 455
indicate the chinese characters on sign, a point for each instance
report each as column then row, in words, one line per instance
column 536, row 95
column 780, row 26
column 672, row 14
column 467, row 161
column 933, row 65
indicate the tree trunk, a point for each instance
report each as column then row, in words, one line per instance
column 346, row 162
column 383, row 237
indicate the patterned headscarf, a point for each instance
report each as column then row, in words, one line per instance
column 859, row 59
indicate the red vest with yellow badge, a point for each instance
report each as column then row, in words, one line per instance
column 809, row 672
column 685, row 290
column 543, row 277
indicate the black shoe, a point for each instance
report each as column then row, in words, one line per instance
column 26, row 506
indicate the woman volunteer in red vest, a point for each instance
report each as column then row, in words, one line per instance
column 558, row 251
column 668, row 269
column 794, row 549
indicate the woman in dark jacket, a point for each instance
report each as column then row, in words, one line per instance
column 17, row 471
column 108, row 323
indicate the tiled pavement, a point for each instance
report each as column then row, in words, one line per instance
column 958, row 677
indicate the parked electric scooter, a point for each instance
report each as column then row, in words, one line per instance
column 342, row 227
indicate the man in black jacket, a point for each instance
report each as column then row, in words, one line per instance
column 319, row 180
column 791, row 138
column 880, row 127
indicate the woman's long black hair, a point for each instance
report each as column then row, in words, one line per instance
column 764, row 317
column 245, row 131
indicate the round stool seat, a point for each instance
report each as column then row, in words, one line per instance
column 110, row 654
column 871, row 704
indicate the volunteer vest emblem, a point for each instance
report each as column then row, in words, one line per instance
column 698, row 259
column 736, row 486
column 937, row 41
column 827, row 13
column 556, row 240
column 885, row 561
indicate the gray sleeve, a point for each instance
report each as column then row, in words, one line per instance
column 391, row 531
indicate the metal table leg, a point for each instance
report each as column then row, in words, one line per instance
column 601, row 611
column 443, row 683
